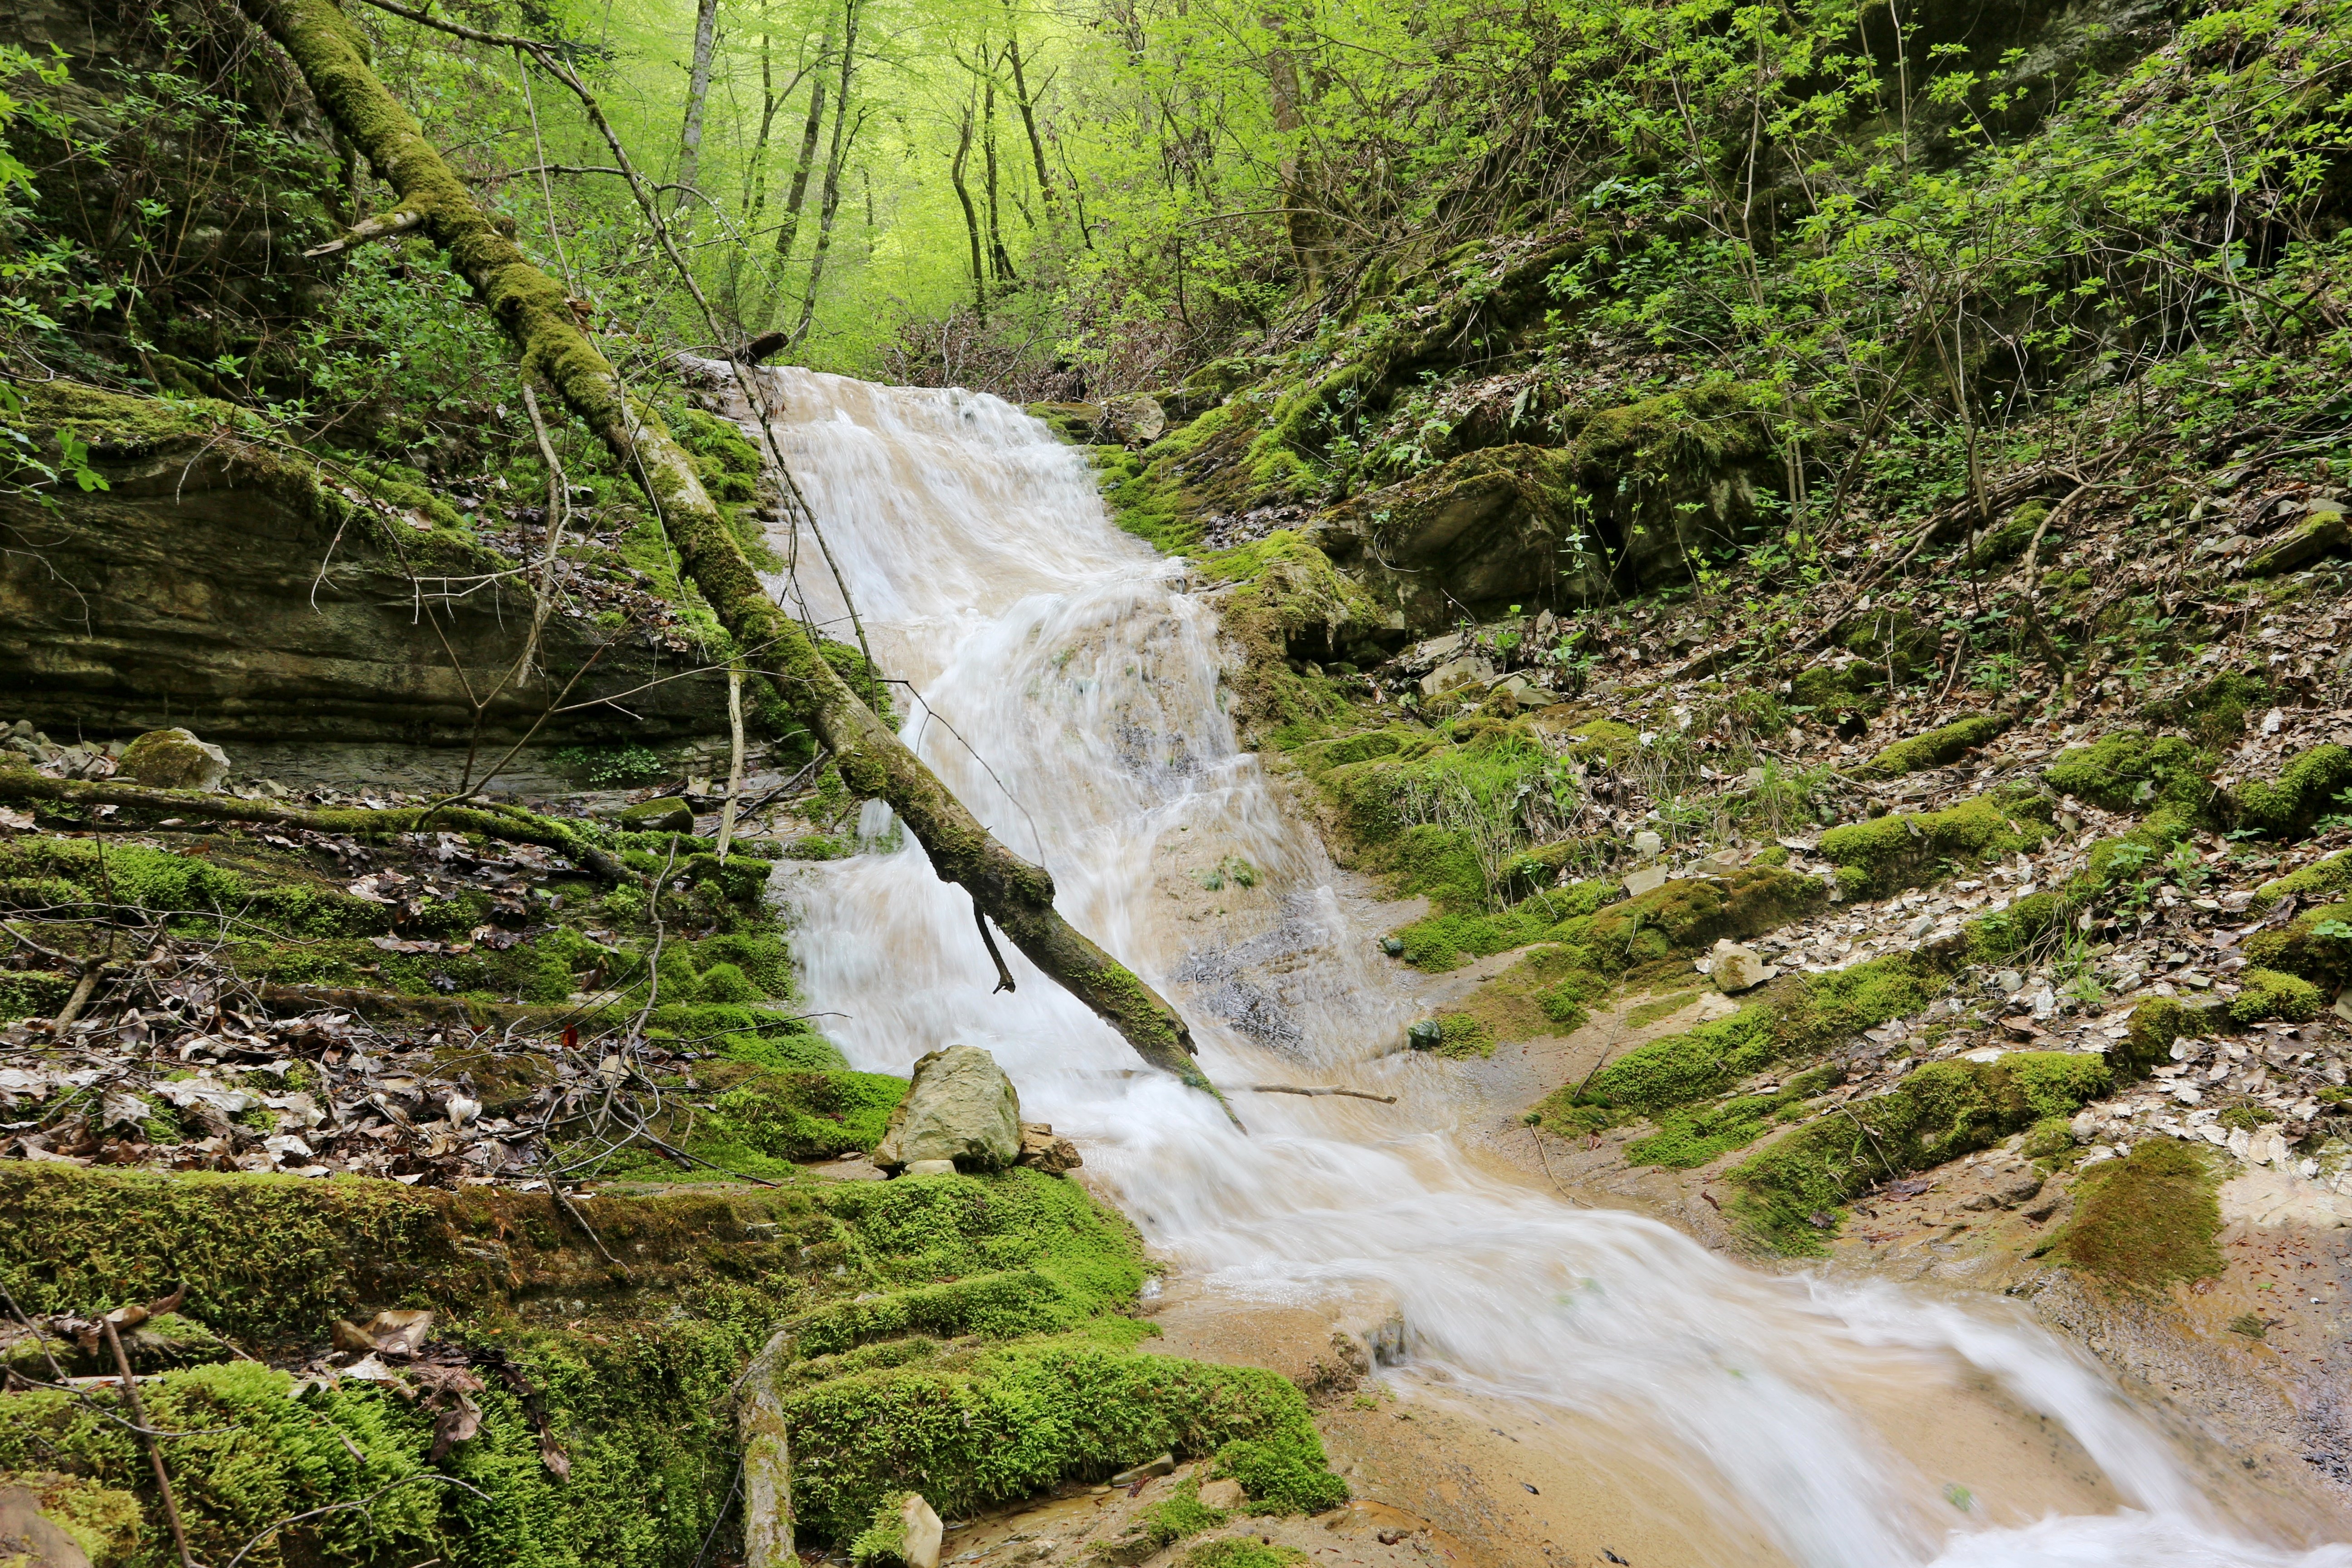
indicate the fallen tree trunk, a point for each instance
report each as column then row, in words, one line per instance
column 332, row 55
column 514, row 828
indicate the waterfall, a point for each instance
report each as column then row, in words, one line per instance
column 1061, row 678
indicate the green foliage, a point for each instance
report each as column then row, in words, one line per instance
column 883, row 1543
column 611, row 767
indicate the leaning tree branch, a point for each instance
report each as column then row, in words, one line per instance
column 386, row 225
column 514, row 828
column 332, row 55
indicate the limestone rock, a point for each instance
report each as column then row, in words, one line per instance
column 1135, row 420
column 1649, row 879
column 961, row 1107
column 175, row 758
column 31, row 1538
column 1226, row 1494
column 1042, row 1151
column 930, row 1168
column 1737, row 967
column 1455, row 673
column 919, row 1532
column 1648, row 844
column 669, row 815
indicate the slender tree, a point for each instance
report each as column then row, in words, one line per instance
column 698, row 93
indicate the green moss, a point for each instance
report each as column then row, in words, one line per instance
column 2131, row 770
column 1003, row 1424
column 1792, row 1190
column 2328, row 877
column 2316, row 945
column 1442, row 941
column 1936, row 747
column 1906, row 850
column 2306, row 788
column 1179, row 1514
column 1691, row 913
column 104, row 1521
column 1461, row 1036
column 797, row 1116
column 883, row 1543
column 1242, row 1552
column 2145, row 1221
column 1801, row 1016
column 2264, row 993
column 2215, row 712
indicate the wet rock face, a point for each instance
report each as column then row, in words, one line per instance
column 960, row 1108
column 214, row 585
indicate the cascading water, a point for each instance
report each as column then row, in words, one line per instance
column 1068, row 690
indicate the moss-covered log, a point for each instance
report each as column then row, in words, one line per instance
column 532, row 308
column 23, row 784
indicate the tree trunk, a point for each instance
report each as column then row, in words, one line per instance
column 796, row 195
column 1306, row 240
column 996, row 256
column 839, row 150
column 698, row 92
column 1028, row 115
column 824, row 219
column 531, row 306
column 971, row 216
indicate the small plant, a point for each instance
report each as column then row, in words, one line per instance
column 611, row 767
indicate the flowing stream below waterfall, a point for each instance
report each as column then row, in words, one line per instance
column 1065, row 681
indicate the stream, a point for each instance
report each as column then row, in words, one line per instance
column 1066, row 682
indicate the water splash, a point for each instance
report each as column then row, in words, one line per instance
column 1063, row 679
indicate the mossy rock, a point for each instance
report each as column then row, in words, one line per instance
column 2214, row 713
column 2265, row 994
column 2329, row 877
column 2306, row 788
column 1792, row 1190
column 1936, row 748
column 1907, row 850
column 1799, row 1016
column 1691, row 913
column 2131, row 771
column 2007, row 539
column 800, row 1115
column 669, row 815
column 104, row 1523
column 1831, row 690
column 174, row 758
column 2146, row 1221
column 2315, row 945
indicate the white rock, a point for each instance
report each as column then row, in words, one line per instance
column 1648, row 844
column 930, row 1168
column 1648, row 879
column 919, row 1532
column 1455, row 673
column 1737, row 967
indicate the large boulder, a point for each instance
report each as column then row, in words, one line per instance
column 174, row 758
column 961, row 1107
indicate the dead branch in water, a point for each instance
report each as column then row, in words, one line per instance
column 1294, row 1089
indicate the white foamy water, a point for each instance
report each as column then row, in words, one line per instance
column 1070, row 692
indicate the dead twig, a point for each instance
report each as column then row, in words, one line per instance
column 1294, row 1089
column 154, row 1451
